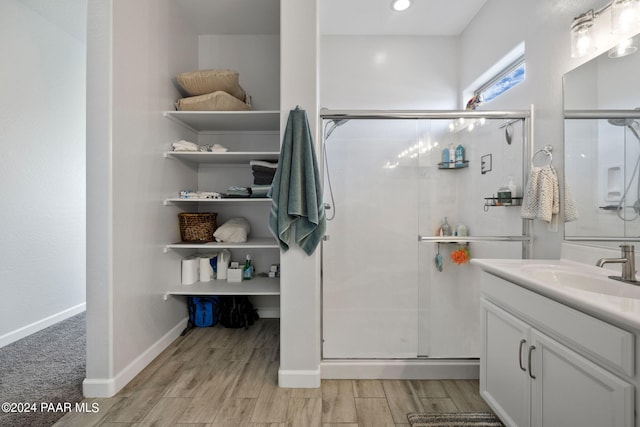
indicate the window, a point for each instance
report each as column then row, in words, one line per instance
column 502, row 82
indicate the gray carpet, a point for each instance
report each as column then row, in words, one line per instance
column 46, row 367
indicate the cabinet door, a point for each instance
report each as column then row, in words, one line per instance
column 504, row 381
column 569, row 390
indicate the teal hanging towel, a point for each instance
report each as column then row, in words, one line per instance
column 297, row 209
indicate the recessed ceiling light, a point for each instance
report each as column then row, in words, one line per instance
column 400, row 5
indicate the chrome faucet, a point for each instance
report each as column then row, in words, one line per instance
column 628, row 261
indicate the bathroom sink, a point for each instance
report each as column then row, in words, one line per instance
column 589, row 279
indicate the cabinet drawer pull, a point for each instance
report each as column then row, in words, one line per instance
column 522, row 342
column 531, row 348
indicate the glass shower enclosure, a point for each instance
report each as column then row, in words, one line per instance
column 394, row 287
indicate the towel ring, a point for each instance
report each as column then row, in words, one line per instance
column 545, row 151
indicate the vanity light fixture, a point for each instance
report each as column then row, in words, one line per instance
column 625, row 18
column 624, row 15
column 624, row 48
column 581, row 34
column 400, row 5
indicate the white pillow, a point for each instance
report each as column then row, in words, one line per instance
column 234, row 230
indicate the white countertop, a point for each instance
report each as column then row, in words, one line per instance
column 617, row 303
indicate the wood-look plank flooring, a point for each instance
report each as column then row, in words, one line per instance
column 217, row 377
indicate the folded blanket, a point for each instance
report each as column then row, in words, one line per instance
column 297, row 208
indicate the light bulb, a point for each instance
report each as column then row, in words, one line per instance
column 400, row 5
column 624, row 16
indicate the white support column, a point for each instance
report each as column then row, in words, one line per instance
column 300, row 277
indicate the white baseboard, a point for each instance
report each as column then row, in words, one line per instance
column 268, row 312
column 418, row 369
column 108, row 387
column 41, row 324
column 299, row 378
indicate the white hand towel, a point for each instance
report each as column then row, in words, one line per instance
column 541, row 197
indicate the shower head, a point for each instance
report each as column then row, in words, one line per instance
column 334, row 124
column 621, row 122
column 632, row 124
column 624, row 121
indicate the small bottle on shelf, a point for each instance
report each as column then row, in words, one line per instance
column 445, row 227
column 247, row 270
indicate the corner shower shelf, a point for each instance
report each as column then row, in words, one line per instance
column 490, row 202
column 446, row 166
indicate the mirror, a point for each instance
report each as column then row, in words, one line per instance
column 602, row 147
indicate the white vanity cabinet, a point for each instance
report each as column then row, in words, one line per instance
column 546, row 364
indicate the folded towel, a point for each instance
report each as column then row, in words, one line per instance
column 541, row 197
column 297, row 190
column 260, row 190
column 190, row 194
column 263, row 178
column 263, row 164
column 183, row 145
column 236, row 191
column 217, row 148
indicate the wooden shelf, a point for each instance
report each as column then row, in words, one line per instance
column 254, row 243
column 199, row 121
column 226, row 157
column 255, row 286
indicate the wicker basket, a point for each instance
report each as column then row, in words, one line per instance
column 197, row 227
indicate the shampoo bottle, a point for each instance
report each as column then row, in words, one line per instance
column 459, row 156
column 445, row 158
column 452, row 156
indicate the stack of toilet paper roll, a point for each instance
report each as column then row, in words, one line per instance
column 201, row 267
column 190, row 270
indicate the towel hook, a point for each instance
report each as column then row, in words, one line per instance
column 545, row 151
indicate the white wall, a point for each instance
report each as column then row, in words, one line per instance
column 544, row 27
column 42, row 132
column 135, row 50
column 388, row 72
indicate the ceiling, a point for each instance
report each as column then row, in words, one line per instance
column 347, row 17
column 375, row 17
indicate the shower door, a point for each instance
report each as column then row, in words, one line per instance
column 383, row 295
column 370, row 259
